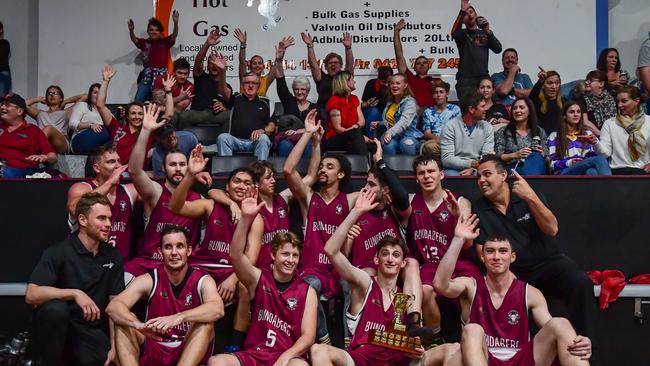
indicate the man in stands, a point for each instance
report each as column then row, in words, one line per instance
column 108, row 170
column 375, row 96
column 495, row 310
column 523, row 217
column 421, row 83
column 156, row 198
column 433, row 118
column 322, row 212
column 372, row 296
column 283, row 324
column 464, row 140
column 643, row 68
column 168, row 139
column 23, row 146
column 511, row 83
column 183, row 90
column 70, row 288
column 182, row 306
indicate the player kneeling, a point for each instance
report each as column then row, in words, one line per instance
column 182, row 306
column 283, row 316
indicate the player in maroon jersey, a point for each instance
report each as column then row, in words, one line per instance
column 284, row 306
column 182, row 306
column 322, row 212
column 495, row 310
column 371, row 306
column 156, row 198
column 108, row 170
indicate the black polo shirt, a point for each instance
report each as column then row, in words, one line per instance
column 248, row 115
column 205, row 90
column 533, row 247
column 69, row 265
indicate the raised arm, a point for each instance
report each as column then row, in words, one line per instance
column 213, row 38
column 402, row 66
column 148, row 190
column 132, row 36
column 175, row 16
column 219, row 61
column 104, row 112
column 398, row 193
column 349, row 55
column 246, row 272
column 544, row 217
column 298, row 188
column 241, row 37
column 168, row 84
column 316, row 72
column 178, row 203
column 276, row 71
column 79, row 189
column 33, row 111
column 456, row 28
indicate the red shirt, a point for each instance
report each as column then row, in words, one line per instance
column 24, row 141
column 124, row 139
column 348, row 108
column 156, row 52
column 176, row 89
column 422, row 88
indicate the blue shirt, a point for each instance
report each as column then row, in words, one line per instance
column 186, row 141
column 522, row 81
column 434, row 120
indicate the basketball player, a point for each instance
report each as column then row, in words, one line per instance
column 371, row 306
column 182, row 306
column 108, row 170
column 284, row 306
column 495, row 310
column 322, row 212
column 156, row 198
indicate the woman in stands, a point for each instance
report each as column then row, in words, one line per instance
column 522, row 143
column 86, row 124
column 55, row 120
column 598, row 101
column 570, row 150
column 497, row 114
column 398, row 129
column 625, row 139
column 610, row 63
column 548, row 100
column 345, row 125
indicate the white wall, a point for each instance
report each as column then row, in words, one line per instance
column 20, row 19
column 629, row 24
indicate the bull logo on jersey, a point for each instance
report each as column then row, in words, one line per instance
column 376, row 302
column 1, row 131
column 417, row 212
column 166, row 204
column 363, row 222
column 444, row 215
column 267, row 290
column 122, row 206
column 163, row 295
column 292, row 303
column 282, row 213
column 118, row 135
column 384, row 215
column 188, row 299
column 339, row 209
column 218, row 222
column 513, row 317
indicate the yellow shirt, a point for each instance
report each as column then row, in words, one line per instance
column 390, row 114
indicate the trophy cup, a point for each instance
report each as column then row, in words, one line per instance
column 395, row 336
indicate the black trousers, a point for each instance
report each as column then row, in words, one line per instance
column 62, row 337
column 351, row 142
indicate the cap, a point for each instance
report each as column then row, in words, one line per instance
column 164, row 131
column 15, row 99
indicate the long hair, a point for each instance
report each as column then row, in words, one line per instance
column 407, row 92
column 542, row 98
column 602, row 60
column 89, row 95
column 562, row 140
column 532, row 119
column 340, row 84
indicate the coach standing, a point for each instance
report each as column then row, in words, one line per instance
column 70, row 288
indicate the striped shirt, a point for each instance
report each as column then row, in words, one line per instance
column 575, row 149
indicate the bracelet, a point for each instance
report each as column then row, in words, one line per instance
column 242, row 46
column 168, row 91
column 348, row 48
column 310, row 46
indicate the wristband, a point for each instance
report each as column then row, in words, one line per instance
column 168, row 91
column 310, row 46
column 348, row 48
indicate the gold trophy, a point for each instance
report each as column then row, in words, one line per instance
column 395, row 336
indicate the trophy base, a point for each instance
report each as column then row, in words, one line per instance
column 395, row 339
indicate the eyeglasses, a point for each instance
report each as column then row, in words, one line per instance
column 53, row 93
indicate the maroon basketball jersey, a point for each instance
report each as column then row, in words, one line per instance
column 375, row 225
column 215, row 246
column 161, row 216
column 506, row 328
column 274, row 222
column 372, row 316
column 276, row 319
column 163, row 302
column 322, row 221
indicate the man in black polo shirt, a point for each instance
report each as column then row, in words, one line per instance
column 71, row 286
column 250, row 124
column 523, row 217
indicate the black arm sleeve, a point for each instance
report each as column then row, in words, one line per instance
column 397, row 191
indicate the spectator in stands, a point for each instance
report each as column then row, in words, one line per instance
column 522, row 143
column 420, row 82
column 209, row 105
column 474, row 43
column 643, row 69
column 23, row 146
column 168, row 139
column 70, row 288
column 333, row 65
column 547, row 99
column 155, row 53
column 255, row 65
column 183, row 89
column 159, row 96
column 511, row 83
column 5, row 72
column 55, row 120
column 598, row 101
column 399, row 128
column 497, row 114
column 625, row 139
column 375, row 95
column 464, row 140
column 250, row 125
column 433, row 118
column 291, row 125
column 86, row 124
column 571, row 151
column 345, row 125
column 609, row 63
